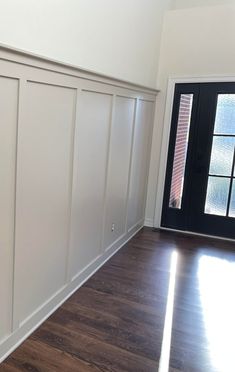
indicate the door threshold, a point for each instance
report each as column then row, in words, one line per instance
column 192, row 233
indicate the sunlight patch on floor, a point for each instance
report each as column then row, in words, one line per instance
column 166, row 342
column 217, row 292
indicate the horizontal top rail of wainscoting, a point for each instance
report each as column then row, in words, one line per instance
column 15, row 55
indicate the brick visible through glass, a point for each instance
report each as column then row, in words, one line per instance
column 181, row 146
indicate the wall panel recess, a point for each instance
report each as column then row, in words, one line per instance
column 94, row 118
column 118, row 171
column 74, row 159
column 8, row 130
column 140, row 163
column 43, row 193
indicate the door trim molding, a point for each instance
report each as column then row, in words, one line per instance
column 172, row 81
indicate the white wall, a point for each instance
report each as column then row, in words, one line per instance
column 120, row 38
column 178, row 4
column 195, row 42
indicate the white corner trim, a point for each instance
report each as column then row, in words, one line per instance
column 164, row 152
column 149, row 222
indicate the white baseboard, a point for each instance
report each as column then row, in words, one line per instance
column 26, row 328
column 148, row 222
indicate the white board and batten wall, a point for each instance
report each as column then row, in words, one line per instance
column 74, row 160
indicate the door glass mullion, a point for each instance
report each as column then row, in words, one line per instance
column 231, row 184
column 224, row 135
column 217, row 175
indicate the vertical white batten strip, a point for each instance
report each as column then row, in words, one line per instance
column 21, row 91
column 131, row 158
column 71, row 176
column 150, row 140
column 112, row 110
column 75, row 177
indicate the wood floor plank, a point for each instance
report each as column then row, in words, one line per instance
column 109, row 329
column 122, row 308
column 104, row 355
column 40, row 357
column 115, row 321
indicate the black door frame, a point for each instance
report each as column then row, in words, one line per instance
column 190, row 217
column 176, row 218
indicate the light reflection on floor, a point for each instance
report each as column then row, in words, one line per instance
column 217, row 293
column 166, row 341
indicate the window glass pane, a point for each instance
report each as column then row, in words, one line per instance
column 217, row 196
column 181, row 146
column 232, row 202
column 222, row 156
column 225, row 114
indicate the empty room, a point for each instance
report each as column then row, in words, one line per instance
column 117, row 193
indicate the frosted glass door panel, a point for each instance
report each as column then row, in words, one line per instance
column 232, row 202
column 217, row 196
column 222, row 155
column 225, row 114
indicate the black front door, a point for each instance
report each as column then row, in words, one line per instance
column 200, row 177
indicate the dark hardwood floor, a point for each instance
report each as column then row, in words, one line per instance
column 115, row 322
